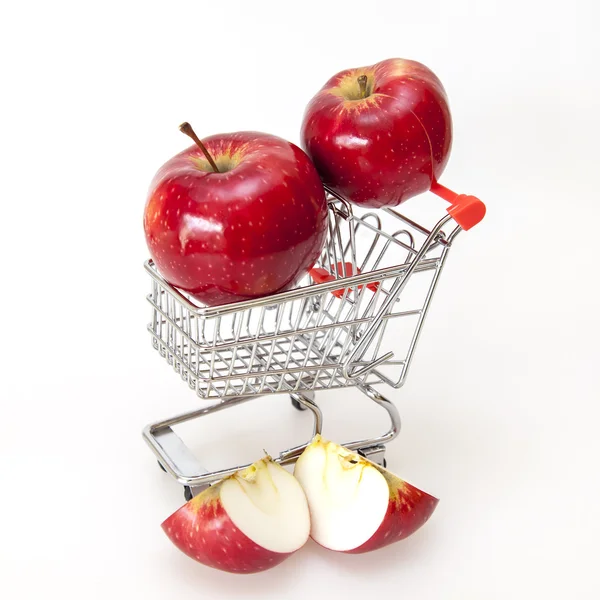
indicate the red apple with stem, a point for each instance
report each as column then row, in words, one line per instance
column 355, row 505
column 379, row 135
column 246, row 523
column 235, row 217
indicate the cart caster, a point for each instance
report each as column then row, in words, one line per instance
column 296, row 400
column 375, row 454
column 382, row 462
column 297, row 404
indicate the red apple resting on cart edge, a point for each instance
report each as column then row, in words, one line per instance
column 248, row 522
column 355, row 505
column 379, row 135
column 236, row 217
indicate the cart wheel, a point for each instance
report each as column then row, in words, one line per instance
column 187, row 493
column 297, row 405
column 383, row 462
column 161, row 466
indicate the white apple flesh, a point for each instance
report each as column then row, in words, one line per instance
column 246, row 523
column 355, row 505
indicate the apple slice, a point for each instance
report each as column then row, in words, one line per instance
column 249, row 522
column 355, row 505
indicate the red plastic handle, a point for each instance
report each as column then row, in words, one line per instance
column 320, row 275
column 466, row 210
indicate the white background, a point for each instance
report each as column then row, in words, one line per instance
column 500, row 412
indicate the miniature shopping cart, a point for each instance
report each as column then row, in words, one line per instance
column 354, row 320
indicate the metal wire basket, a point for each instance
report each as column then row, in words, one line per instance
column 331, row 331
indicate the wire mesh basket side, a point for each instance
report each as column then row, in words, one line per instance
column 300, row 340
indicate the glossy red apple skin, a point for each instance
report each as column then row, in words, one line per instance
column 251, row 231
column 409, row 509
column 203, row 530
column 385, row 148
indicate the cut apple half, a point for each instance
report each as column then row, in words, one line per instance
column 356, row 505
column 246, row 523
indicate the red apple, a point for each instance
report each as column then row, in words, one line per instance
column 379, row 135
column 251, row 229
column 248, row 522
column 355, row 505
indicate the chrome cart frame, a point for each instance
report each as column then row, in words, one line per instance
column 331, row 331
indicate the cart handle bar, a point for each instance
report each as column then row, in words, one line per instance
column 466, row 210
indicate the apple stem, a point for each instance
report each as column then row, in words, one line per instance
column 362, row 84
column 444, row 193
column 187, row 129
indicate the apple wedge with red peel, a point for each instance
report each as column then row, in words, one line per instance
column 246, row 523
column 355, row 505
